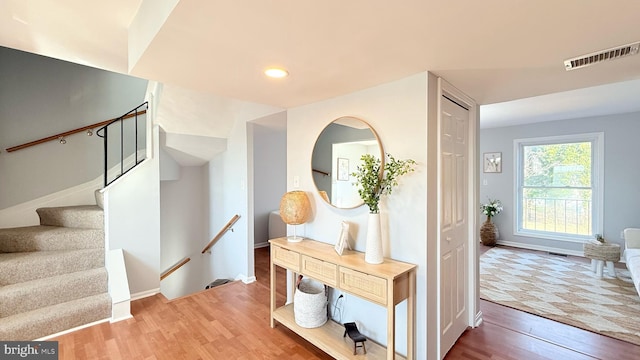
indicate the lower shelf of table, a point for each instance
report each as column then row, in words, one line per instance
column 329, row 338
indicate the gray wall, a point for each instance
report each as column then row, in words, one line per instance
column 40, row 97
column 184, row 230
column 269, row 172
column 621, row 168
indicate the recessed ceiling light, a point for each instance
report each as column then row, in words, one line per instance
column 276, row 72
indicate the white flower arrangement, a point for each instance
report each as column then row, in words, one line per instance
column 492, row 208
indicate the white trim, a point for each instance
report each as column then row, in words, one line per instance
column 245, row 279
column 541, row 248
column 473, row 286
column 261, row 245
column 120, row 311
column 144, row 294
column 478, row 319
column 118, row 285
column 597, row 184
column 72, row 330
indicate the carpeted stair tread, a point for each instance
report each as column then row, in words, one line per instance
column 56, row 318
column 82, row 216
column 27, row 266
column 31, row 295
column 39, row 238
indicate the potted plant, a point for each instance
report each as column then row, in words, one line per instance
column 488, row 230
column 373, row 181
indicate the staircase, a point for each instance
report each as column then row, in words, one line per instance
column 53, row 276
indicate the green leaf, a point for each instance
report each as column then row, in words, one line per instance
column 372, row 184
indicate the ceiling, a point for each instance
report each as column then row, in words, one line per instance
column 493, row 50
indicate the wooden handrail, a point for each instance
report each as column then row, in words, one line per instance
column 222, row 231
column 71, row 132
column 175, row 267
column 321, row 172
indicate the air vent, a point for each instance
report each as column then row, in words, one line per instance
column 600, row 56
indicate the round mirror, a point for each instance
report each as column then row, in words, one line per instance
column 336, row 155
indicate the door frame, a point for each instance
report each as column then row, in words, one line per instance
column 474, row 314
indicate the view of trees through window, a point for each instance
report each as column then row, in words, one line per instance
column 557, row 188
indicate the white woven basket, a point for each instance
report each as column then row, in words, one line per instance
column 310, row 304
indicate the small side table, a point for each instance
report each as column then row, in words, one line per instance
column 599, row 253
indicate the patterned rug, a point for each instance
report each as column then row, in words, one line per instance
column 562, row 289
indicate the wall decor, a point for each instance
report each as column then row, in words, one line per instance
column 347, row 138
column 343, row 169
column 343, row 240
column 492, row 162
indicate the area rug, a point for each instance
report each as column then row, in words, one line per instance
column 562, row 289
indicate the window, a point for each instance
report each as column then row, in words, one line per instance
column 559, row 186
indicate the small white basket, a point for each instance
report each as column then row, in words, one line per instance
column 310, row 304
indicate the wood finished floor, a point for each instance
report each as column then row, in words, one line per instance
column 232, row 322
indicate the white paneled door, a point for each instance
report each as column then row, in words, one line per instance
column 454, row 236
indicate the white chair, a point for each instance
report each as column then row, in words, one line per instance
column 631, row 254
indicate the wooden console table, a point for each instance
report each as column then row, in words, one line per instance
column 386, row 284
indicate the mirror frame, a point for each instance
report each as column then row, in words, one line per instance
column 380, row 148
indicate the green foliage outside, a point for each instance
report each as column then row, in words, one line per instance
column 372, row 184
column 557, row 188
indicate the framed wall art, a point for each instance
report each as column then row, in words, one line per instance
column 343, row 169
column 492, row 162
column 343, row 239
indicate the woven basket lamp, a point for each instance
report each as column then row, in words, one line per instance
column 295, row 209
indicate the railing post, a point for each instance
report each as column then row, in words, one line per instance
column 106, row 132
column 130, row 114
column 135, row 149
column 121, row 147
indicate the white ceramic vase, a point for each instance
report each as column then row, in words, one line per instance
column 373, row 250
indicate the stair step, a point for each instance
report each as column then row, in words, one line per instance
column 56, row 318
column 38, row 238
column 27, row 266
column 83, row 216
column 31, row 295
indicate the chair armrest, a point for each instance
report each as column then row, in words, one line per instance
column 632, row 238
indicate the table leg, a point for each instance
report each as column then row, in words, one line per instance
column 273, row 289
column 610, row 268
column 600, row 265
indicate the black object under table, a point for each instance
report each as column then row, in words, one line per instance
column 351, row 329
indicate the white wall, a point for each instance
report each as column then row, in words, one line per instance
column 269, row 176
column 132, row 221
column 183, row 231
column 232, row 256
column 229, row 194
column 40, row 97
column 398, row 113
column 621, row 173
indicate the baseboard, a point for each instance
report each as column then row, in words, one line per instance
column 245, row 279
column 121, row 311
column 540, row 248
column 478, row 319
column 144, row 294
column 72, row 330
column 261, row 245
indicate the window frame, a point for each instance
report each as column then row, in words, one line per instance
column 597, row 184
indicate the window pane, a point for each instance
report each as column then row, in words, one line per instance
column 558, row 165
column 557, row 210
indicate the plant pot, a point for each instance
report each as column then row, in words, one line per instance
column 488, row 233
column 373, row 250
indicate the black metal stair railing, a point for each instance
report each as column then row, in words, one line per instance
column 124, row 141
